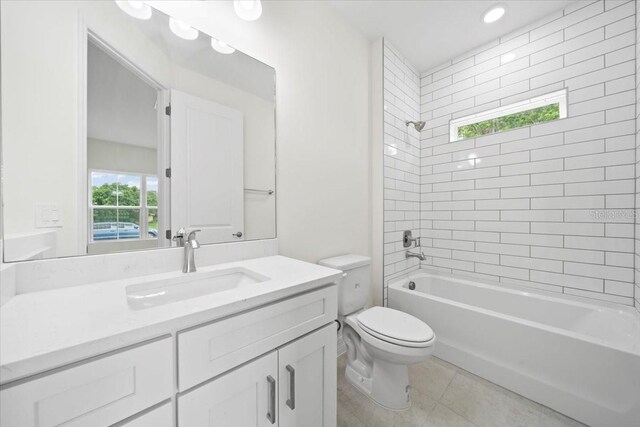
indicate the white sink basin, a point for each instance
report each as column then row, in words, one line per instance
column 190, row 285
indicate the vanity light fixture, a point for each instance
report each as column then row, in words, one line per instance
column 249, row 10
column 135, row 8
column 494, row 13
column 221, row 47
column 182, row 30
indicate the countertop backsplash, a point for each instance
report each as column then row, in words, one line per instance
column 41, row 275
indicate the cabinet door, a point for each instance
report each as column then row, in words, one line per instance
column 244, row 397
column 307, row 370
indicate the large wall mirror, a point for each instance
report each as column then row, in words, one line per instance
column 121, row 125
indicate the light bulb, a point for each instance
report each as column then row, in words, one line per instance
column 182, row 29
column 136, row 4
column 135, row 8
column 249, row 10
column 222, row 47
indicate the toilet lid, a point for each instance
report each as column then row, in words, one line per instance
column 395, row 326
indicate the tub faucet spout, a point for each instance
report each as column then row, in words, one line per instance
column 420, row 256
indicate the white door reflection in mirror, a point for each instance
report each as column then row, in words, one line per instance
column 207, row 188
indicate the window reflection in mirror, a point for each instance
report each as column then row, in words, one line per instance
column 88, row 143
column 122, row 154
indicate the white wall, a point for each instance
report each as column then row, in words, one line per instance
column 401, row 152
column 322, row 118
column 376, row 153
column 522, row 212
column 46, row 171
column 637, row 175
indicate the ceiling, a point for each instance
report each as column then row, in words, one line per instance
column 430, row 32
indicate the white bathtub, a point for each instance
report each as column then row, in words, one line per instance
column 579, row 358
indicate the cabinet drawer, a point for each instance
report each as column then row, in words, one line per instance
column 215, row 348
column 159, row 417
column 97, row 393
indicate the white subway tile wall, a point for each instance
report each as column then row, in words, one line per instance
column 637, row 167
column 549, row 206
column 401, row 162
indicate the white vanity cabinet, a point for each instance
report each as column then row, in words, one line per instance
column 291, row 387
column 275, row 365
column 270, row 365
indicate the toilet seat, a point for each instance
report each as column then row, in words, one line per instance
column 395, row 327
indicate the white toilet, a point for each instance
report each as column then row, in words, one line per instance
column 380, row 341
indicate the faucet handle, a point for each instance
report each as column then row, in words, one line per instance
column 179, row 237
column 192, row 235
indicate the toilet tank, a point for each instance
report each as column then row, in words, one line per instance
column 354, row 288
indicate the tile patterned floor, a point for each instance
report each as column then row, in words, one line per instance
column 444, row 395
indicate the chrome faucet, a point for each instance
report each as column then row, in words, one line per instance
column 189, row 242
column 420, row 256
column 189, row 262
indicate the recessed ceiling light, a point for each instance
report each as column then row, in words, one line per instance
column 249, row 10
column 137, row 9
column 494, row 13
column 222, row 47
column 182, row 29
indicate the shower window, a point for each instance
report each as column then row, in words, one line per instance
column 541, row 109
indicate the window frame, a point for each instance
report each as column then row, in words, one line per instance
column 142, row 207
column 557, row 97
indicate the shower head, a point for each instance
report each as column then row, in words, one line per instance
column 417, row 125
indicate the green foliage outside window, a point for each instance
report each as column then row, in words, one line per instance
column 512, row 121
column 114, row 194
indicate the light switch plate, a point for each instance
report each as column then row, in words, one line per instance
column 48, row 215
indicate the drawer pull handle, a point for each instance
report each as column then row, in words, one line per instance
column 291, row 401
column 271, row 415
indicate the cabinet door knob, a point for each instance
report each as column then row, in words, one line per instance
column 271, row 415
column 291, row 401
column 238, row 234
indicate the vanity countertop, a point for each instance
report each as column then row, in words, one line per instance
column 44, row 330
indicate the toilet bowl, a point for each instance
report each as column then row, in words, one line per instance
column 381, row 342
